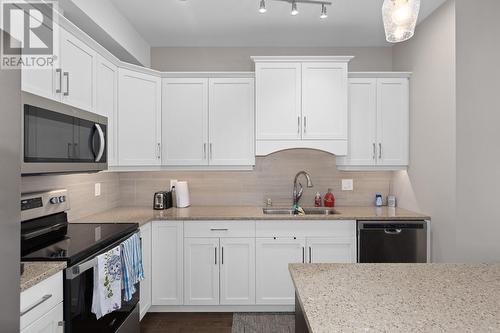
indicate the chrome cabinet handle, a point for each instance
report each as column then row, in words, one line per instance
column 102, row 143
column 158, row 150
column 310, row 255
column 204, row 151
column 69, row 149
column 66, row 74
column 215, row 256
column 305, row 124
column 298, row 124
column 211, row 152
column 379, row 150
column 37, row 303
column 219, row 229
column 303, row 255
column 222, row 255
column 374, row 151
column 59, row 71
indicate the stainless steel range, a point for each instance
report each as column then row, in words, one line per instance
column 46, row 235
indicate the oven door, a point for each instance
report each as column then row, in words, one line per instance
column 78, row 292
column 62, row 140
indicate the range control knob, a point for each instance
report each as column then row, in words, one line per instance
column 54, row 200
column 62, row 198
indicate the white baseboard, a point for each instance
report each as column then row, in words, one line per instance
column 222, row 308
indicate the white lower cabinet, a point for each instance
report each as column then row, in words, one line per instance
column 201, row 271
column 51, row 322
column 330, row 250
column 237, row 271
column 145, row 301
column 273, row 281
column 167, row 263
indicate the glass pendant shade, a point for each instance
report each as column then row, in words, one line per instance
column 400, row 19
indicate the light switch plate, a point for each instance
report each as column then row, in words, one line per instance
column 97, row 189
column 347, row 185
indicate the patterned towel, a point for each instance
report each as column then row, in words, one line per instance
column 133, row 271
column 106, row 296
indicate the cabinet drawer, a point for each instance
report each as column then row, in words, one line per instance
column 41, row 298
column 305, row 228
column 219, row 229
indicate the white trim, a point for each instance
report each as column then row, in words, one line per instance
column 181, row 168
column 302, row 58
column 371, row 167
column 366, row 75
column 208, row 75
column 266, row 147
column 222, row 308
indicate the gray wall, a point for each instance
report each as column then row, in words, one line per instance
column 478, row 121
column 429, row 184
column 238, row 58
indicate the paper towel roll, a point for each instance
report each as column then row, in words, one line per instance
column 182, row 192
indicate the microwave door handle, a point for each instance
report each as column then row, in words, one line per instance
column 102, row 143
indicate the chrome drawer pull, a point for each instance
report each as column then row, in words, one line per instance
column 37, row 303
column 218, row 229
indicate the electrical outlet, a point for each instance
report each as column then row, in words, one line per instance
column 97, row 189
column 347, row 185
column 173, row 182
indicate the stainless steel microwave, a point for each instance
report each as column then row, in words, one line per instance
column 61, row 139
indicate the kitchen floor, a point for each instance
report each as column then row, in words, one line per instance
column 187, row 323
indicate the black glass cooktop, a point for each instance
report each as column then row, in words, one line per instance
column 81, row 241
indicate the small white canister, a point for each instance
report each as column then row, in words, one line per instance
column 182, row 193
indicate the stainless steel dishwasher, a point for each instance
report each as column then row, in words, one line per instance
column 392, row 242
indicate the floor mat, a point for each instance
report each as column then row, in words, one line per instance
column 263, row 323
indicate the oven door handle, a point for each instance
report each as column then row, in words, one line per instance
column 102, row 143
column 43, row 231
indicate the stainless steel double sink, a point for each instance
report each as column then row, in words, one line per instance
column 307, row 211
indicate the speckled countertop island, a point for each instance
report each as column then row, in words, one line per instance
column 143, row 215
column 398, row 297
column 35, row 272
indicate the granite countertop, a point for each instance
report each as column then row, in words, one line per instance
column 35, row 272
column 143, row 215
column 399, row 297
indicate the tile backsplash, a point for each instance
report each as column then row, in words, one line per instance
column 272, row 178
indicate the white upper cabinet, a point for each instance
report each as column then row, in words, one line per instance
column 208, row 122
column 107, row 103
column 139, row 119
column 379, row 122
column 231, row 121
column 78, row 63
column 278, row 98
column 324, row 101
column 185, row 121
column 301, row 102
column 393, row 121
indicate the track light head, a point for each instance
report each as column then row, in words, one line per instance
column 262, row 7
column 295, row 10
column 323, row 15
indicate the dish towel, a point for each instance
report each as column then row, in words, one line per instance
column 133, row 271
column 107, row 283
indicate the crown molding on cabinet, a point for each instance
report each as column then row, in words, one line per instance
column 302, row 58
column 385, row 75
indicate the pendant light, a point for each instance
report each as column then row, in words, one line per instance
column 323, row 15
column 262, row 8
column 400, row 19
column 294, row 11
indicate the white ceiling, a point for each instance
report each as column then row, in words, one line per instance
column 238, row 22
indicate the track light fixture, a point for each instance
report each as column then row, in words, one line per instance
column 295, row 9
column 262, row 7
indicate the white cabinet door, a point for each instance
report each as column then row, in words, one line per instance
column 393, row 121
column 78, row 62
column 278, row 101
column 145, row 301
column 273, row 282
column 331, row 250
column 167, row 263
column 363, row 122
column 51, row 322
column 107, row 103
column 324, row 101
column 139, row 119
column 185, row 121
column 237, row 271
column 231, row 115
column 201, row 271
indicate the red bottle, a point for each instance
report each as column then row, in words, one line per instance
column 329, row 199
